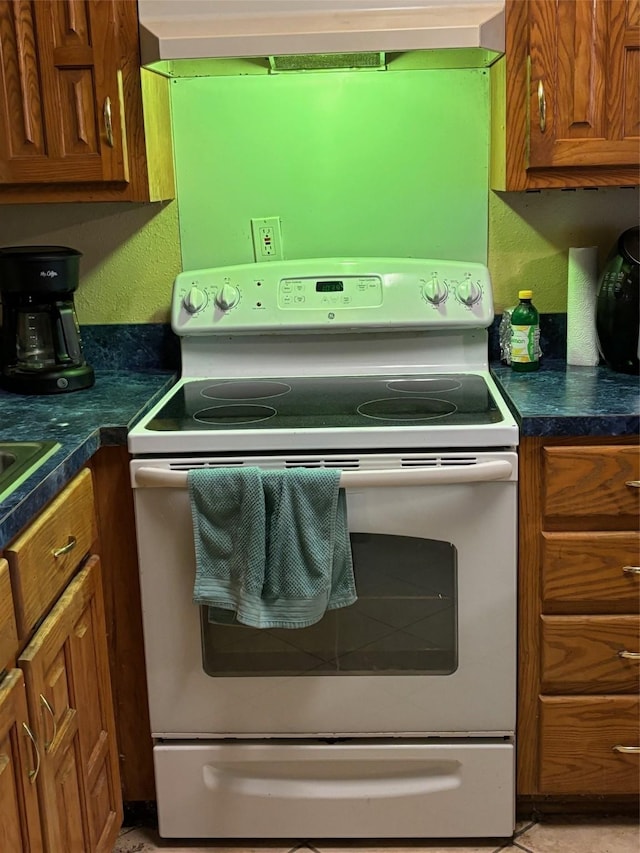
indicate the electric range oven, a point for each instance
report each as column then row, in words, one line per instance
column 394, row 716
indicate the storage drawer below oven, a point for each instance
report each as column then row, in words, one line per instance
column 358, row 789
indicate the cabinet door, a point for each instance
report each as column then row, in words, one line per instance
column 67, row 676
column 19, row 767
column 590, row 654
column 60, row 93
column 584, row 83
column 590, row 572
column 591, row 487
column 586, row 55
column 589, row 745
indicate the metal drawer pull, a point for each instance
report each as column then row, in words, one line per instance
column 108, row 125
column 633, row 484
column 628, row 750
column 542, row 106
column 46, row 704
column 71, row 544
column 631, row 570
column 33, row 774
column 629, row 655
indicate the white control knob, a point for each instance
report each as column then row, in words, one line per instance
column 227, row 297
column 195, row 300
column 469, row 292
column 435, row 291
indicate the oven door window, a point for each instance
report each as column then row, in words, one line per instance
column 403, row 623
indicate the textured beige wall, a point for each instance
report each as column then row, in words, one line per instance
column 131, row 253
column 530, row 233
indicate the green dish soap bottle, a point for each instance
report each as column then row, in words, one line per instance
column 525, row 334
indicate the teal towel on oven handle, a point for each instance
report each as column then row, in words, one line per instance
column 272, row 547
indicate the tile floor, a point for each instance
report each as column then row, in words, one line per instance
column 555, row 835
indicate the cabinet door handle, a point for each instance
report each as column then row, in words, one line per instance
column 71, row 544
column 108, row 125
column 633, row 484
column 627, row 750
column 631, row 570
column 542, row 107
column 33, row 774
column 45, row 704
column 629, row 655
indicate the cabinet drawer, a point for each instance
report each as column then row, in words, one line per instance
column 590, row 572
column 590, row 483
column 581, row 654
column 8, row 633
column 45, row 556
column 577, row 740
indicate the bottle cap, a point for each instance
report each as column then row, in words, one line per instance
column 525, row 294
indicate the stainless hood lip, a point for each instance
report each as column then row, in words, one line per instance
column 201, row 29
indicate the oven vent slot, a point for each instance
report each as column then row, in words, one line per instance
column 437, row 461
column 342, row 464
column 223, row 463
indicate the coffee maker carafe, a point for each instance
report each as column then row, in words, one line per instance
column 40, row 344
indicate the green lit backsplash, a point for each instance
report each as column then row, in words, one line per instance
column 366, row 163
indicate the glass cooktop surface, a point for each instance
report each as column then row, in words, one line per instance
column 324, row 402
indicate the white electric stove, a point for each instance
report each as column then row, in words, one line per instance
column 394, row 716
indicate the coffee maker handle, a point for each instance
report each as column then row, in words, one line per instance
column 68, row 344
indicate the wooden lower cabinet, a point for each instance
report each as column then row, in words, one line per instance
column 69, row 697
column 583, row 742
column 590, row 654
column 19, row 815
column 578, row 732
column 60, row 786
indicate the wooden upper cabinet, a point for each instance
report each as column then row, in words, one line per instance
column 71, row 120
column 566, row 95
column 60, row 69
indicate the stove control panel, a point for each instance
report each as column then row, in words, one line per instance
column 321, row 294
column 332, row 293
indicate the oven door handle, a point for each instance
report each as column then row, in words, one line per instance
column 479, row 472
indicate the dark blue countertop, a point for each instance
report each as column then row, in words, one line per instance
column 563, row 400
column 81, row 422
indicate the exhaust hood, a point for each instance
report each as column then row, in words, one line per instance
column 203, row 29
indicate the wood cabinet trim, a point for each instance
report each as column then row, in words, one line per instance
column 8, row 631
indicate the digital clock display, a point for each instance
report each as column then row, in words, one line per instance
column 329, row 286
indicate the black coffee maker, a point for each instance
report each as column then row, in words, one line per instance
column 40, row 345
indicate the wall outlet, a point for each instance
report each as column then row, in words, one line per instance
column 267, row 239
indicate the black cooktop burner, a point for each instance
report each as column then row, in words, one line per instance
column 322, row 402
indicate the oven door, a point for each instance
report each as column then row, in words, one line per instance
column 429, row 647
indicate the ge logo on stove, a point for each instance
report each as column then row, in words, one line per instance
column 331, row 315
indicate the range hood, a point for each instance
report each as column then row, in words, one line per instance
column 199, row 29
